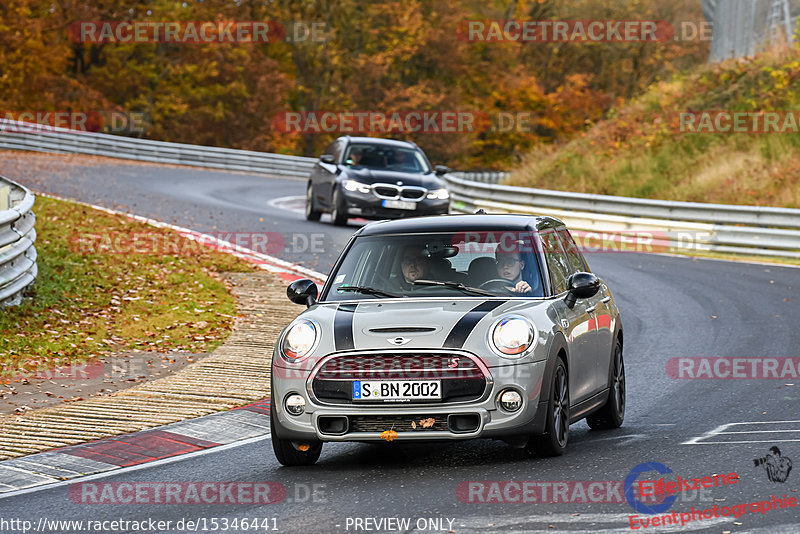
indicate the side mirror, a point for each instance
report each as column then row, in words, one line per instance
column 302, row 291
column 327, row 158
column 442, row 170
column 581, row 286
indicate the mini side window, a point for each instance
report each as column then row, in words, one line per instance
column 557, row 262
column 574, row 256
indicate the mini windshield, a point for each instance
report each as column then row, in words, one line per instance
column 478, row 264
column 386, row 157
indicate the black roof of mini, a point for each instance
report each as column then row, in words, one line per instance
column 460, row 223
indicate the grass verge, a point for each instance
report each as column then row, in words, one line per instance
column 640, row 150
column 91, row 301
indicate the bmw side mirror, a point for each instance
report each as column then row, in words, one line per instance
column 327, row 158
column 442, row 170
column 302, row 291
column 581, row 286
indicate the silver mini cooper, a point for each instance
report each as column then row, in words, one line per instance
column 450, row 327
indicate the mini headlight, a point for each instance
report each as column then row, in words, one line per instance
column 440, row 194
column 352, row 185
column 512, row 336
column 299, row 340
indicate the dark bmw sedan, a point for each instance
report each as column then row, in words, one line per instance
column 375, row 179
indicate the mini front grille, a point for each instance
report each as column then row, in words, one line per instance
column 400, row 367
column 462, row 378
column 398, row 423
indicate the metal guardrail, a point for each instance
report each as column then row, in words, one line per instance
column 41, row 138
column 18, row 269
column 487, row 177
column 761, row 231
column 750, row 230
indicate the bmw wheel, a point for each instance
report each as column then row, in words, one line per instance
column 312, row 213
column 338, row 209
column 613, row 412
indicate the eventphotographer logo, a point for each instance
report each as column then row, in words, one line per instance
column 777, row 466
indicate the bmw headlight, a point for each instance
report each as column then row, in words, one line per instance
column 300, row 340
column 512, row 336
column 352, row 185
column 440, row 194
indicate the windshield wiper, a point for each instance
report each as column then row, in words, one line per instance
column 454, row 285
column 368, row 291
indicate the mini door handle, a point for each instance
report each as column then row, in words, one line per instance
column 605, row 299
column 590, row 309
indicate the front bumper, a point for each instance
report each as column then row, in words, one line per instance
column 481, row 418
column 369, row 206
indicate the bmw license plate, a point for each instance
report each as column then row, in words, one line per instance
column 397, row 390
column 399, row 204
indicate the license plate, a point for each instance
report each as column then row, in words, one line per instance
column 399, row 204
column 399, row 390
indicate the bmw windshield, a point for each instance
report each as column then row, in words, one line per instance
column 386, row 157
column 482, row 264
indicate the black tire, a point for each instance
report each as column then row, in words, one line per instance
column 312, row 213
column 554, row 440
column 338, row 209
column 612, row 413
column 287, row 451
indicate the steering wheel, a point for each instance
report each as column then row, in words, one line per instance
column 496, row 284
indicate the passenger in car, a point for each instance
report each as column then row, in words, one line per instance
column 509, row 267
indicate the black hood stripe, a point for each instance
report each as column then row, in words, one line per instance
column 343, row 327
column 462, row 329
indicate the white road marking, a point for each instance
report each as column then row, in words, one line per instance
column 625, row 439
column 286, row 204
column 722, row 430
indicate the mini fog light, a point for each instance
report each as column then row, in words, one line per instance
column 510, row 400
column 295, row 404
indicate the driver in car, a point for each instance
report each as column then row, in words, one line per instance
column 355, row 158
column 510, row 266
column 413, row 266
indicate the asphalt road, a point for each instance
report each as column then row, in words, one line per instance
column 671, row 307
